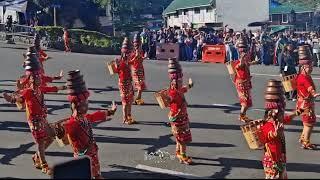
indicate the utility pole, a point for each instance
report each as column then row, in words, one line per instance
column 54, row 15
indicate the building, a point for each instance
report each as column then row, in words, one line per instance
column 15, row 8
column 294, row 16
column 216, row 13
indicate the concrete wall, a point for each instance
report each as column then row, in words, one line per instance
column 239, row 13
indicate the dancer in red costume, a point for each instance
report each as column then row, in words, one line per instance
column 306, row 96
column 32, row 97
column 66, row 40
column 138, row 74
column 243, row 79
column 178, row 115
column 125, row 83
column 272, row 131
column 79, row 127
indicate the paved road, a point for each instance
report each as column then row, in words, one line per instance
column 218, row 148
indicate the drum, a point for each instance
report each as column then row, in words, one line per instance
column 251, row 132
column 112, row 67
column 230, row 68
column 162, row 98
column 289, row 83
column 60, row 133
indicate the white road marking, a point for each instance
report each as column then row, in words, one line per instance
column 167, row 171
column 253, row 109
column 273, row 75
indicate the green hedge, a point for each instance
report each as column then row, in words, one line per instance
column 82, row 40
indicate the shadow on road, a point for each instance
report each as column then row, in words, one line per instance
column 229, row 163
column 10, row 153
column 126, row 172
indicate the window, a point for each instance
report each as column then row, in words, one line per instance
column 197, row 10
column 176, row 15
column 270, row 18
column 284, row 18
column 209, row 9
column 180, row 12
column 185, row 12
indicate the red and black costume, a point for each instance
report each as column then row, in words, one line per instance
column 272, row 132
column 178, row 115
column 79, row 126
column 136, row 63
column 306, row 96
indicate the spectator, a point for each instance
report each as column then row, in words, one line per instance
column 287, row 65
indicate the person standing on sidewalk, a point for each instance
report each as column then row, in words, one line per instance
column 287, row 67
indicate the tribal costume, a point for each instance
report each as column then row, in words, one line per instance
column 125, row 82
column 272, row 132
column 32, row 96
column 79, row 126
column 242, row 79
column 306, row 96
column 178, row 115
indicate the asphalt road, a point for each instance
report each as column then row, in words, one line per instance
column 219, row 149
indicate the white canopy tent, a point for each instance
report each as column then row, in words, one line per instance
column 12, row 7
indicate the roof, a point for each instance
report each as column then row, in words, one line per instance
column 186, row 4
column 286, row 8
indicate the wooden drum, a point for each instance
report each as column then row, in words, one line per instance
column 60, row 133
column 251, row 132
column 162, row 98
column 230, row 68
column 112, row 67
column 289, row 83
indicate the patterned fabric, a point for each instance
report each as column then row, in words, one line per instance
column 92, row 152
column 181, row 130
column 138, row 78
column 126, row 91
column 244, row 94
column 274, row 170
column 39, row 129
column 307, row 105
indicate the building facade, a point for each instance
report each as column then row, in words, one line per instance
column 216, row 13
column 295, row 16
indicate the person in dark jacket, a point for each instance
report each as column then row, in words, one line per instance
column 287, row 63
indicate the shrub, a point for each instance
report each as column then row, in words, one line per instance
column 82, row 40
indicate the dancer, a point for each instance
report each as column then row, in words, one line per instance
column 32, row 51
column 272, row 131
column 78, row 127
column 306, row 96
column 178, row 115
column 138, row 75
column 32, row 97
column 242, row 79
column 125, row 83
column 66, row 40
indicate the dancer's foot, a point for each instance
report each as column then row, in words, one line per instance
column 45, row 169
column 185, row 159
column 36, row 161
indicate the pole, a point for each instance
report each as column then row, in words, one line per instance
column 55, row 16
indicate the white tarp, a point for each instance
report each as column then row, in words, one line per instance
column 17, row 5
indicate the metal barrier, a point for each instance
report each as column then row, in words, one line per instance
column 22, row 34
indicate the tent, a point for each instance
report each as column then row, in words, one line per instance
column 12, row 6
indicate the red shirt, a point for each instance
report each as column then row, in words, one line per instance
column 177, row 100
column 242, row 72
column 274, row 145
column 35, row 104
column 136, row 62
column 304, row 86
column 123, row 70
column 80, row 132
